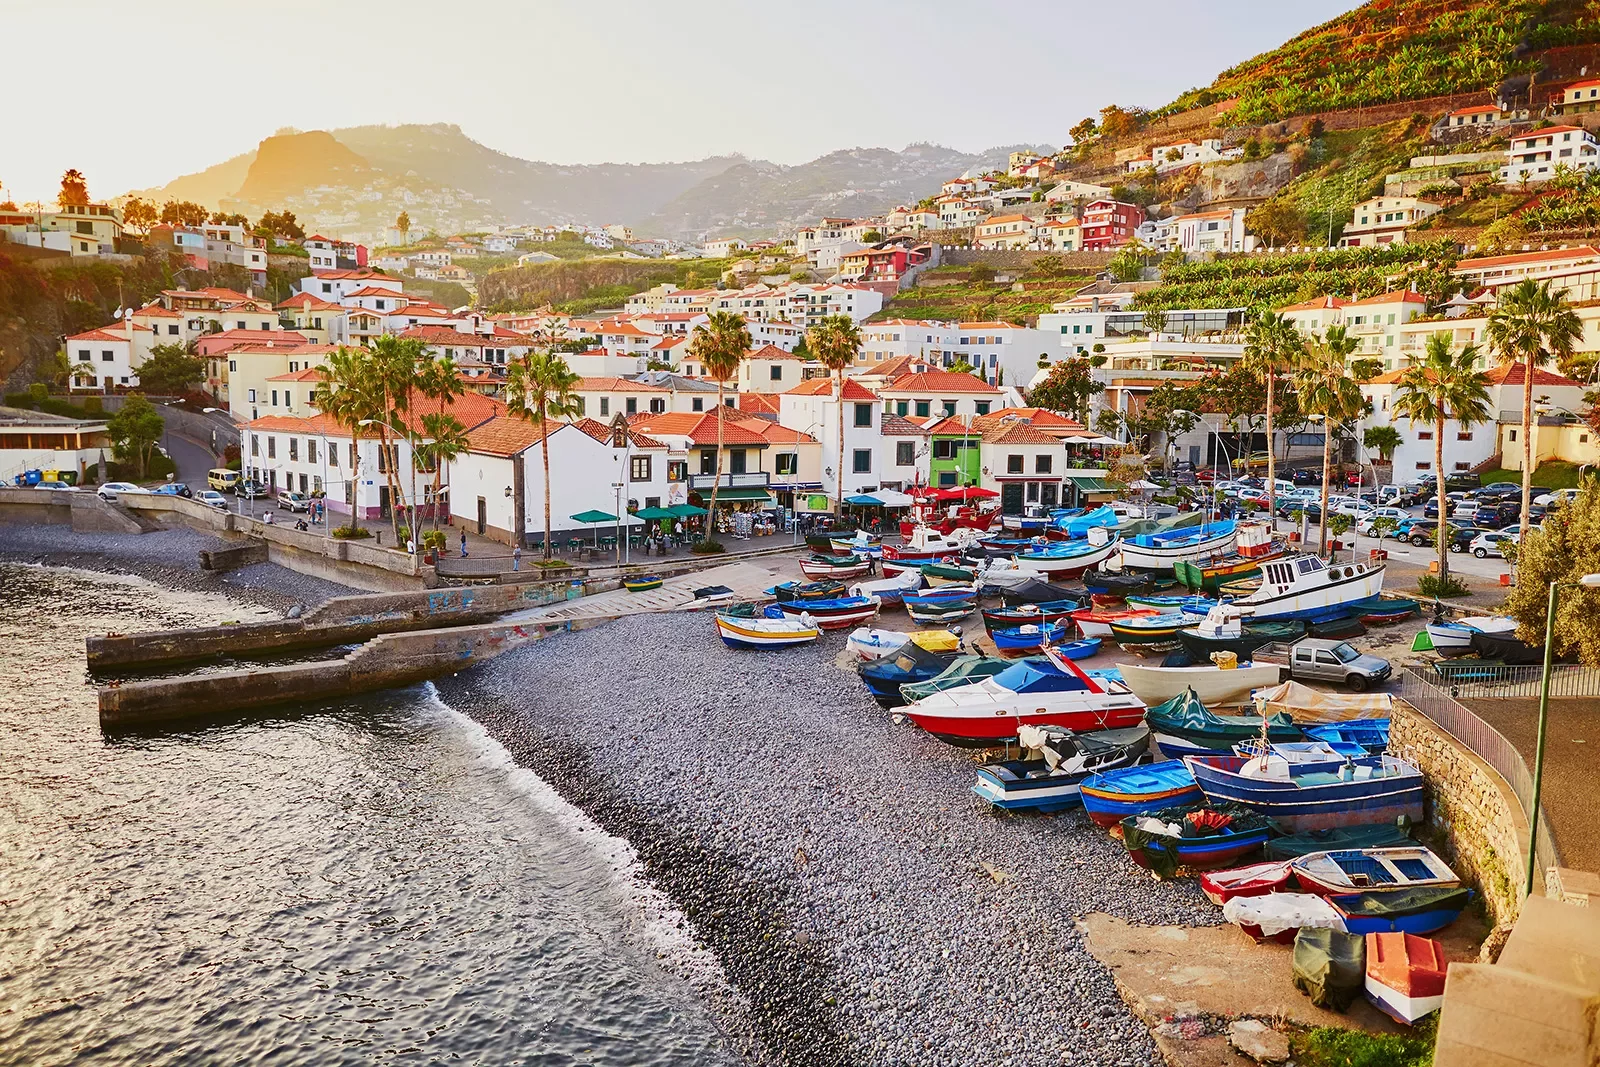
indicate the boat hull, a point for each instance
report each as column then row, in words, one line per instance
column 1323, row 601
column 736, row 633
column 1113, row 796
column 1300, row 807
column 1067, row 565
column 1163, row 557
column 1208, row 577
column 1256, row 880
column 983, row 724
column 832, row 616
column 1422, row 921
column 817, row 572
column 1155, row 685
column 1210, row 853
column 1405, row 975
column 643, row 585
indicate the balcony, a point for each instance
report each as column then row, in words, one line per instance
column 747, row 480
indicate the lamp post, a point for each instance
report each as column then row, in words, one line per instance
column 1588, row 581
column 616, row 487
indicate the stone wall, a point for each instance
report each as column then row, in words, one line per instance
column 1472, row 810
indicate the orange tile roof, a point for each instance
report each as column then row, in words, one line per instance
column 444, row 335
column 1399, row 296
column 157, row 311
column 770, row 352
column 308, row 375
column 1534, row 134
column 1326, row 303
column 373, row 290
column 699, row 427
column 1042, row 417
column 317, row 424
column 1517, row 373
column 777, row 433
column 1018, row 433
column 758, row 403
column 274, row 337
column 853, row 390
column 606, row 384
column 939, row 381
column 307, row 302
column 1542, row 256
column 99, row 335
column 1485, row 109
column 306, row 349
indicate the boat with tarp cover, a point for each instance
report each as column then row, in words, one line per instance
column 1297, row 796
column 1184, row 726
column 1054, row 763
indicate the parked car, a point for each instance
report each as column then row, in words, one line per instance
column 1558, row 496
column 1307, row 476
column 1322, row 660
column 1462, row 536
column 250, row 490
column 173, row 489
column 301, row 502
column 222, row 479
column 213, row 498
column 1312, row 509
column 1461, row 480
column 1491, row 543
column 1394, row 515
column 52, row 483
column 109, row 491
column 1493, row 515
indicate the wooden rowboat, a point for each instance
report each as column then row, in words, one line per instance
column 642, row 583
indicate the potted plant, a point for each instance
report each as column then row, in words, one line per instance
column 1296, row 517
column 1338, row 524
column 433, row 542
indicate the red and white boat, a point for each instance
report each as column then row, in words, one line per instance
column 1027, row 694
column 959, row 511
column 818, row 568
column 1096, row 622
column 926, row 545
column 1256, row 880
column 1405, row 975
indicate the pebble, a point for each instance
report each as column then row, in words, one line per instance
column 723, row 768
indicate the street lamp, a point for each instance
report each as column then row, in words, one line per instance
column 616, row 487
column 1588, row 581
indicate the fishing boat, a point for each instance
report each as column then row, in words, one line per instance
column 1070, row 524
column 1112, row 796
column 1213, row 686
column 1340, row 629
column 1004, row 576
column 1253, row 546
column 1313, row 796
column 937, row 574
column 909, row 664
column 1081, row 649
column 941, row 613
column 1405, row 975
column 1370, row 734
column 818, row 568
column 1038, row 591
column 1118, row 584
column 1357, row 870
column 1007, row 546
column 1258, row 879
column 1340, row 837
column 1384, row 611
column 1455, row 637
column 1029, row 637
column 926, row 545
column 834, row 614
column 1096, row 622
column 870, row 644
column 1201, row 837
column 889, row 590
column 808, row 591
column 1049, row 781
column 942, row 594
column 1279, row 917
column 1183, row 726
column 1068, row 559
column 1160, row 551
column 643, row 583
column 1223, row 630
column 964, row 670
column 765, row 631
column 1305, row 587
column 1028, row 524
column 862, row 544
column 1028, row 615
column 1186, row 605
column 1040, row 691
column 821, row 540
column 1152, row 630
column 1410, row 911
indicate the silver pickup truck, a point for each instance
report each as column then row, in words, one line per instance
column 1316, row 659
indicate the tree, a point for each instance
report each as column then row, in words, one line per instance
column 1531, row 324
column 346, row 394
column 720, row 344
column 184, row 213
column 221, row 218
column 1564, row 550
column 980, row 274
column 402, row 223
column 872, row 237
column 394, row 363
column 1155, row 320
column 539, row 388
column 1441, row 387
column 1326, row 388
column 170, row 371
column 1278, row 222
column 74, row 189
column 1128, row 264
column 282, row 224
column 446, row 438
column 1068, row 388
column 1084, row 132
column 834, row 343
column 139, row 215
column 1502, row 235
column 439, row 381
column 1117, row 121
column 134, row 428
column 1383, row 437
column 1272, row 347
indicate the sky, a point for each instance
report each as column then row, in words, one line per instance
column 591, row 81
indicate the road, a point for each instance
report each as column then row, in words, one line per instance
column 1460, row 562
column 193, row 459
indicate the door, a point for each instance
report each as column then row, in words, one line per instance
column 383, row 501
column 483, row 516
column 1011, row 498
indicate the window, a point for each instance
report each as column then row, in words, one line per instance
column 708, row 461
column 1043, row 464
column 1014, row 464
column 775, row 372
column 677, row 470
column 233, row 364
column 697, row 404
column 85, row 356
column 947, row 479
column 641, row 468
column 632, row 405
column 605, row 405
column 944, row 450
column 861, row 460
column 863, row 414
column 255, row 444
column 737, row 460
column 1464, row 435
column 172, row 330
column 1463, row 466
column 333, row 454
column 901, row 407
column 905, row 453
column 788, row 462
column 311, row 450
column 106, row 355
column 982, row 405
column 252, row 396
column 1424, row 435
column 272, row 448
column 657, row 405
column 294, row 448
column 1424, row 466
column 949, row 407
column 924, row 409
column 274, row 398
column 1513, row 435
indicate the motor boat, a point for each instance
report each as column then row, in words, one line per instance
column 1306, row 587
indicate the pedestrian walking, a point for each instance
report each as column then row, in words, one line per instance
column 516, row 558
column 463, row 544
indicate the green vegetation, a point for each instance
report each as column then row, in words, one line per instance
column 579, row 286
column 1552, row 474
column 134, row 431
column 1277, row 280
column 1332, row 1046
column 1046, row 283
column 1400, row 50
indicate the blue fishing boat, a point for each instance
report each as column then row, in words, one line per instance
column 807, row 590
column 1066, row 559
column 1029, row 637
column 1410, row 911
column 1082, row 649
column 1358, row 870
column 1370, row 734
column 1074, row 523
column 1028, row 614
column 1159, row 551
column 939, row 594
column 1201, row 837
column 1309, row 796
column 1113, row 796
column 907, row 665
column 1049, row 781
column 835, row 614
column 1187, row 605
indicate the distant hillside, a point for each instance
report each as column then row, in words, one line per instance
column 1394, row 50
column 287, row 164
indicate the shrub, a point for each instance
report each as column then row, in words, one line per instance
column 435, row 540
column 350, row 533
column 1442, row 587
column 93, row 405
column 708, row 548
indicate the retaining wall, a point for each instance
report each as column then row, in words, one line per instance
column 83, row 511
column 1471, row 808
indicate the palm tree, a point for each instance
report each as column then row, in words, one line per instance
column 446, row 438
column 395, row 361
column 720, row 344
column 539, row 388
column 1326, row 388
column 439, row 381
column 1272, row 346
column 1441, row 387
column 346, row 393
column 1531, row 324
column 834, row 342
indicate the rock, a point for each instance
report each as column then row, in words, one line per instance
column 1259, row 1041
column 1489, row 951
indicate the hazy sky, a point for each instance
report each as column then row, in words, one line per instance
column 178, row 85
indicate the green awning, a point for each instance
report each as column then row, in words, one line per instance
column 593, row 516
column 686, row 511
column 650, row 514
column 1089, row 484
column 740, row 494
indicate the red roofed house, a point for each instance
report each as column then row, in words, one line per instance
column 1579, row 98
column 692, row 438
column 813, row 408
column 602, row 397
column 1478, row 118
column 937, row 392
column 107, row 359
column 1000, row 452
column 1535, row 155
column 586, row 460
column 770, row 369
column 323, row 321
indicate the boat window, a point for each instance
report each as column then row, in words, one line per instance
column 1345, row 653
column 1307, row 565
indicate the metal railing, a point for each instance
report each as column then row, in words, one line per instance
column 1471, row 681
column 730, row 480
column 1440, row 706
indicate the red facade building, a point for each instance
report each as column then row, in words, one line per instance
column 1109, row 224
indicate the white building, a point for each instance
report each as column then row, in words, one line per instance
column 106, row 359
column 1534, row 156
column 1383, row 220
column 723, row 247
column 1213, row 231
column 1165, row 157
